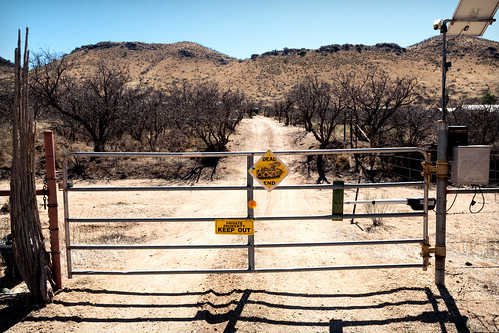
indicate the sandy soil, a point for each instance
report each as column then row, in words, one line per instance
column 383, row 300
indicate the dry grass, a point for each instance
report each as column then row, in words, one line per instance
column 376, row 208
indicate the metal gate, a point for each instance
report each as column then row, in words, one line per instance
column 252, row 244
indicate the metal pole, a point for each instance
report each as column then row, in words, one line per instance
column 473, row 190
column 251, row 213
column 441, row 174
column 444, row 70
column 52, row 208
column 352, row 221
column 425, row 218
column 66, row 218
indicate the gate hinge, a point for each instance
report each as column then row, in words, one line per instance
column 441, row 169
column 426, row 251
column 439, row 250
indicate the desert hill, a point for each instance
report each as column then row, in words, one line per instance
column 6, row 67
column 269, row 75
column 5, row 63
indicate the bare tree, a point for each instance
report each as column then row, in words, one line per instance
column 6, row 99
column 310, row 95
column 284, row 108
column 413, row 126
column 320, row 105
column 377, row 97
column 104, row 97
column 207, row 113
column 229, row 114
column 6, row 106
column 49, row 78
column 373, row 99
column 482, row 122
column 156, row 113
column 150, row 120
column 96, row 103
column 346, row 83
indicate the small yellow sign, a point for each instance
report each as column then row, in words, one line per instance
column 269, row 170
column 234, row 227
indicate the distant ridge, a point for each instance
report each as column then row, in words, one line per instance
column 268, row 76
column 5, row 63
column 6, row 68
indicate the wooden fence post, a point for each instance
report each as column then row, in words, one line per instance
column 52, row 208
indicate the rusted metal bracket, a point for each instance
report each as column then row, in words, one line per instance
column 426, row 251
column 441, row 169
column 427, row 171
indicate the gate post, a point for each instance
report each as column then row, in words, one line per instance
column 441, row 209
column 52, row 208
column 251, row 213
column 442, row 170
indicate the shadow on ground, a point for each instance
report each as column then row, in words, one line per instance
column 220, row 313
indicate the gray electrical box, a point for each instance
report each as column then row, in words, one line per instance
column 470, row 165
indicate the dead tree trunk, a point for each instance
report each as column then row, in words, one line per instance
column 27, row 238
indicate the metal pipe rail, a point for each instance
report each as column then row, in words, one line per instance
column 240, row 188
column 251, row 245
column 257, row 153
column 259, row 218
column 258, row 270
column 472, row 190
column 244, row 246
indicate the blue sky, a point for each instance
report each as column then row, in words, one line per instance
column 235, row 28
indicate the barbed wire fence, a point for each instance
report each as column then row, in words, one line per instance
column 408, row 167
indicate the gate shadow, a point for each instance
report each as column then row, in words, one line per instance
column 241, row 298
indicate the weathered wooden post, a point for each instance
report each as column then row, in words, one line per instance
column 52, row 208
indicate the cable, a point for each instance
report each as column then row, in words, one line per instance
column 460, row 32
column 473, row 202
column 453, row 201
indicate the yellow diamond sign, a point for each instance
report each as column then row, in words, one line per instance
column 269, row 171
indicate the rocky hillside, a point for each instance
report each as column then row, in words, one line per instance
column 6, row 67
column 268, row 76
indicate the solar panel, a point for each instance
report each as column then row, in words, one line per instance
column 472, row 17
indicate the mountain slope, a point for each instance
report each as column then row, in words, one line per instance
column 270, row 75
column 6, row 67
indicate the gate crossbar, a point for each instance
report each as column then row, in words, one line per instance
column 240, row 188
column 258, row 270
column 242, row 246
column 249, row 188
column 262, row 218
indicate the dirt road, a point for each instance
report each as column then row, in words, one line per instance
column 329, row 301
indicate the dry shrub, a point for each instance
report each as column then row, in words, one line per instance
column 5, row 209
column 376, row 209
column 342, row 162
